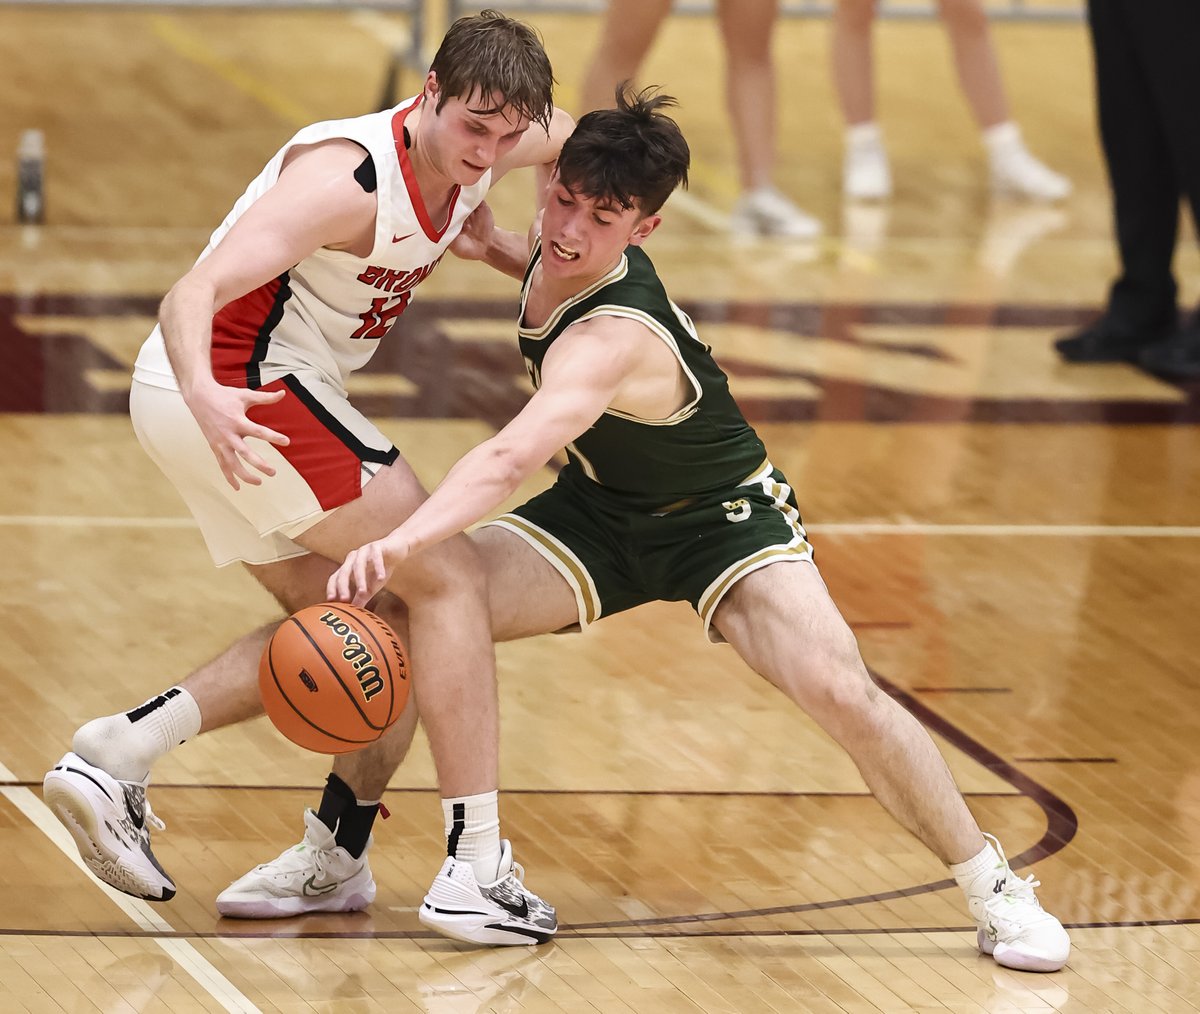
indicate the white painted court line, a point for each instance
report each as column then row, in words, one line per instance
column 85, row 521
column 831, row 528
column 140, row 912
column 1010, row 531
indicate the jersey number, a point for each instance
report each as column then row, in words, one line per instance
column 737, row 510
column 377, row 320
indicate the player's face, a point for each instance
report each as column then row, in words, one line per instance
column 583, row 237
column 465, row 140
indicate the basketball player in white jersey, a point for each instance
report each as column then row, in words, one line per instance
column 239, row 395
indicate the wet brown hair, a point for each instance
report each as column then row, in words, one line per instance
column 634, row 153
column 489, row 53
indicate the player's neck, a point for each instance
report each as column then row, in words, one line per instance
column 434, row 185
column 556, row 291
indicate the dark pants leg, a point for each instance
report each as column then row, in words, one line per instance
column 1132, row 86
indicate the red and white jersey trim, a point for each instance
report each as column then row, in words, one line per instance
column 329, row 312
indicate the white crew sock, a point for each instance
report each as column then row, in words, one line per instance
column 864, row 136
column 473, row 832
column 977, row 876
column 1002, row 140
column 127, row 744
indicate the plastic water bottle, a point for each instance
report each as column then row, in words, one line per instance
column 31, row 160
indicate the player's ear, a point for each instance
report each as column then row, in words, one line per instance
column 431, row 87
column 643, row 229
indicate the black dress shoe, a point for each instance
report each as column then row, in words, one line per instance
column 1104, row 343
column 1177, row 358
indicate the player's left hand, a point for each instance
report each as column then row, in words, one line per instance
column 366, row 570
column 472, row 243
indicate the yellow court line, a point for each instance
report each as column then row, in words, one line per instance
column 192, row 46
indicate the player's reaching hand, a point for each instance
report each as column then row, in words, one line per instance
column 223, row 416
column 366, row 570
column 476, row 236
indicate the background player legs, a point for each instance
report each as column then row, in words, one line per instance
column 782, row 622
column 975, row 60
column 626, row 37
column 750, row 85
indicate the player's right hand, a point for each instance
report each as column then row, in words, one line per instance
column 223, row 416
column 366, row 570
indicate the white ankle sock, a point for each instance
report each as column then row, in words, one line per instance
column 1003, row 139
column 473, row 832
column 976, row 875
column 127, row 744
column 864, row 135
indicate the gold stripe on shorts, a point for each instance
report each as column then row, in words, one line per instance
column 714, row 596
column 568, row 563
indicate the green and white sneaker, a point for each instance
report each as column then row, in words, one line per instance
column 318, row 875
column 1014, row 928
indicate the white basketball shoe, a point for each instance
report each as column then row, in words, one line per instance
column 766, row 212
column 504, row 912
column 1014, row 928
column 110, row 821
column 318, row 875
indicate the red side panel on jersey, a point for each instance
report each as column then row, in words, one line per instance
column 242, row 332
column 332, row 470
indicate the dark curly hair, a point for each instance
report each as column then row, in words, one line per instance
column 634, row 153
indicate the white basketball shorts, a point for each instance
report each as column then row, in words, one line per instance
column 334, row 451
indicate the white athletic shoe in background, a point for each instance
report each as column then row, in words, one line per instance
column 502, row 913
column 766, row 212
column 110, row 821
column 318, row 875
column 1014, row 928
column 1015, row 171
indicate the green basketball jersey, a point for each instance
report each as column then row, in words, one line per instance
column 651, row 464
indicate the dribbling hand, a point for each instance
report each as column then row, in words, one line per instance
column 223, row 416
column 365, row 571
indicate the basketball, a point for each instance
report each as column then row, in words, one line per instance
column 333, row 678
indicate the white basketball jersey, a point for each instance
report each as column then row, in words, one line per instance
column 329, row 312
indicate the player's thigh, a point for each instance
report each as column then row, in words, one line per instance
column 526, row 594
column 782, row 621
column 296, row 582
column 629, row 30
column 387, row 500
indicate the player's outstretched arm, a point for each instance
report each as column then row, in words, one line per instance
column 581, row 376
column 315, row 203
column 482, row 240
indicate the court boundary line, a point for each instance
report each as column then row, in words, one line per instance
column 154, row 927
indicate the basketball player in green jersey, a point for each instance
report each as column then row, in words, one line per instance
column 668, row 494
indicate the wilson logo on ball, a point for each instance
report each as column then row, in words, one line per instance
column 357, row 654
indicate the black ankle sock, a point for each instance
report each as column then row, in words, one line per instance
column 341, row 813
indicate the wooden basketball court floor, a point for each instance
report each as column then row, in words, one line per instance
column 1016, row 543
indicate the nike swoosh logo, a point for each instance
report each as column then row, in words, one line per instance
column 401, row 239
column 521, row 911
column 134, row 807
column 312, row 891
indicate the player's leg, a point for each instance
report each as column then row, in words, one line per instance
column 746, row 30
column 528, row 596
column 1014, row 169
column 626, row 37
column 781, row 620
column 866, row 174
column 98, row 790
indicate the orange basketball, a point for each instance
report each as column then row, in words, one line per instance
column 333, row 678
